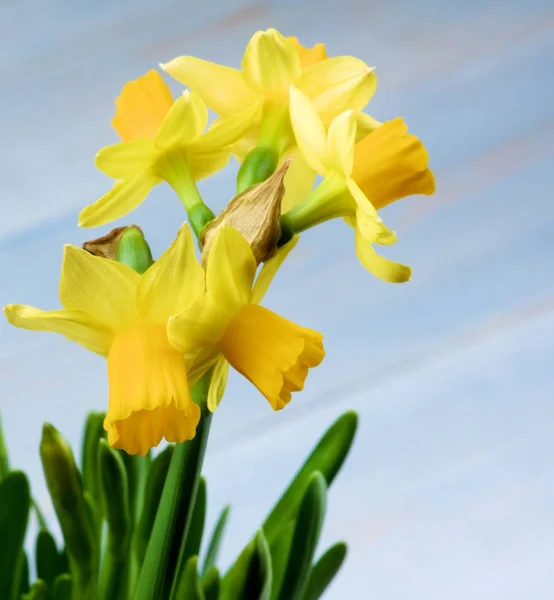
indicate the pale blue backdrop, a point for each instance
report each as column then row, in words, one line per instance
column 449, row 491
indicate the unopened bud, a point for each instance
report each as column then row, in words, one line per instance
column 259, row 164
column 133, row 250
column 126, row 245
column 255, row 213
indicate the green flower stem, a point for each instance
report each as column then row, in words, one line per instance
column 166, row 548
column 173, row 167
column 326, row 202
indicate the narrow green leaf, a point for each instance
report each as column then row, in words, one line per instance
column 211, row 584
column 250, row 578
column 15, row 504
column 327, row 458
column 194, row 537
column 62, row 588
column 93, row 433
column 215, row 541
column 38, row 591
column 188, row 582
column 306, row 535
column 47, row 557
column 38, row 513
column 4, row 459
column 23, row 575
column 174, row 514
column 279, row 548
column 155, row 480
column 65, row 487
column 114, row 582
column 323, row 572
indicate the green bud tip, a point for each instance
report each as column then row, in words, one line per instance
column 259, row 164
column 133, row 250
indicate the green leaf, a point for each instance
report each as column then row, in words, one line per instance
column 114, row 582
column 327, row 458
column 38, row 591
column 211, row 584
column 65, row 487
column 155, row 480
column 323, row 572
column 215, row 541
column 194, row 537
column 279, row 548
column 48, row 561
column 250, row 578
column 94, row 432
column 4, row 459
column 166, row 545
column 306, row 535
column 38, row 513
column 62, row 588
column 15, row 504
column 188, row 583
column 23, row 574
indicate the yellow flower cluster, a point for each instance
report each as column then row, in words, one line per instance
column 161, row 331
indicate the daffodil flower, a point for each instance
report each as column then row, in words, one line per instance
column 162, row 140
column 359, row 178
column 271, row 63
column 229, row 327
column 112, row 310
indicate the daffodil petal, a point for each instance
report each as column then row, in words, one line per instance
column 222, row 88
column 124, row 196
column 226, row 131
column 298, row 182
column 173, row 281
column 361, row 200
column 75, row 325
column 366, row 124
column 141, row 107
column 309, row 131
column 269, row 270
column 126, row 159
column 381, row 267
column 271, row 63
column 195, row 332
column 230, row 269
column 103, row 289
column 186, row 120
column 218, row 383
column 338, row 83
column 203, row 165
column 341, row 139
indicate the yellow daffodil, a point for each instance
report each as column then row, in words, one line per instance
column 271, row 63
column 112, row 310
column 162, row 140
column 229, row 327
column 359, row 178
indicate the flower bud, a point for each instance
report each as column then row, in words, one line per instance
column 255, row 213
column 259, row 164
column 133, row 250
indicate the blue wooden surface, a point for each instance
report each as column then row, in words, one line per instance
column 450, row 487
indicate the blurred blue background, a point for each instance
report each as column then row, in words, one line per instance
column 449, row 490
